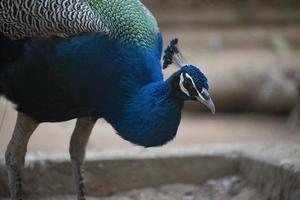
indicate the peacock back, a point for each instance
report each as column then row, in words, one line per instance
column 125, row 20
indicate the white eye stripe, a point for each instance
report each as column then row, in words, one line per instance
column 183, row 89
column 194, row 85
column 189, row 77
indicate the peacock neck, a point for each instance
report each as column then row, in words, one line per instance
column 149, row 118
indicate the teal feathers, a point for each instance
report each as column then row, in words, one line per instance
column 127, row 20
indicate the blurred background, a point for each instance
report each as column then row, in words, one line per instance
column 250, row 51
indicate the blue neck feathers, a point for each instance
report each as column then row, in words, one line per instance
column 131, row 93
column 98, row 77
column 151, row 117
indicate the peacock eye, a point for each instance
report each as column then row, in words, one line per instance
column 188, row 84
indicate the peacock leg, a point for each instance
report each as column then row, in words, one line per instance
column 78, row 144
column 16, row 151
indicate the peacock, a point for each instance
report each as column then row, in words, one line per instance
column 85, row 60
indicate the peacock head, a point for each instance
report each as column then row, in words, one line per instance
column 189, row 83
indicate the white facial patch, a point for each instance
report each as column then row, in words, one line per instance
column 183, row 89
column 194, row 85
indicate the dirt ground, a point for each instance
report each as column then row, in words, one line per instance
column 229, row 188
column 195, row 128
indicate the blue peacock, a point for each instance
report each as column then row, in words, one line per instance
column 90, row 59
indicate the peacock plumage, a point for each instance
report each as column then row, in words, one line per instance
column 90, row 59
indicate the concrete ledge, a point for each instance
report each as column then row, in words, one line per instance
column 275, row 182
column 105, row 177
column 272, row 168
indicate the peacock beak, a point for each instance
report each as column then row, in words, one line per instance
column 204, row 98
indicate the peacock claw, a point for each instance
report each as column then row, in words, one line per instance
column 169, row 53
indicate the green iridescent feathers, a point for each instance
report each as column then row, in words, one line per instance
column 128, row 20
column 125, row 20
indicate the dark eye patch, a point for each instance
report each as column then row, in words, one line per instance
column 188, row 84
column 190, row 87
column 193, row 92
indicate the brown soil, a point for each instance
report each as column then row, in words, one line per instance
column 194, row 129
column 230, row 188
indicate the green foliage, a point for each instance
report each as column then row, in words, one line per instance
column 280, row 45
